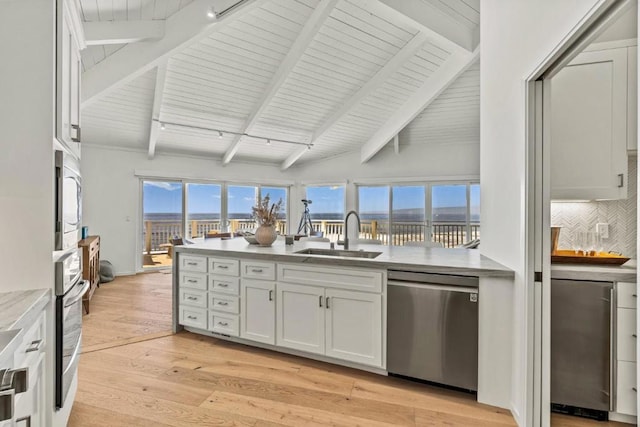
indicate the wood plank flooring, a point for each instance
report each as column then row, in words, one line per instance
column 134, row 372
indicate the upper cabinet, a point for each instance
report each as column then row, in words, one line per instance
column 632, row 98
column 70, row 41
column 589, row 127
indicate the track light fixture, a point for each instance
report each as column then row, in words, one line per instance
column 211, row 13
column 221, row 132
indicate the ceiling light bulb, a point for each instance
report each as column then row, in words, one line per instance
column 308, row 147
column 220, row 134
column 162, row 126
column 268, row 141
column 211, row 14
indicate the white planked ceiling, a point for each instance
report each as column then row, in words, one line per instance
column 452, row 118
column 122, row 10
column 220, row 81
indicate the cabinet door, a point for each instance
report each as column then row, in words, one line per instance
column 354, row 326
column 632, row 102
column 258, row 311
column 300, row 317
column 29, row 407
column 589, row 127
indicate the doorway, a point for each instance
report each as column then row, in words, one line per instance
column 162, row 221
column 556, row 171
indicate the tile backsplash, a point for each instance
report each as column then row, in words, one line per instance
column 619, row 214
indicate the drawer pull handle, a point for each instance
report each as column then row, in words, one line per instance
column 320, row 301
column 326, row 302
column 224, row 267
column 192, row 281
column 192, row 263
column 634, row 335
column 192, row 298
column 34, row 346
column 634, row 389
column 634, row 295
column 192, row 317
column 223, row 303
column 223, row 285
column 256, row 270
column 223, row 323
column 270, row 295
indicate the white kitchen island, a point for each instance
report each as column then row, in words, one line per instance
column 328, row 308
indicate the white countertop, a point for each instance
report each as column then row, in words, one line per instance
column 599, row 273
column 465, row 262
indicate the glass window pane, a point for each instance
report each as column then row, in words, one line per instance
column 275, row 194
column 162, row 214
column 449, row 214
column 408, row 214
column 240, row 200
column 326, row 209
column 373, row 207
column 203, row 209
column 475, row 211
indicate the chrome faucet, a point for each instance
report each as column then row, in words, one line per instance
column 346, row 228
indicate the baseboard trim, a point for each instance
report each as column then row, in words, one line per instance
column 516, row 415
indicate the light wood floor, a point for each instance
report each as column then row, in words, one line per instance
column 156, row 260
column 134, row 372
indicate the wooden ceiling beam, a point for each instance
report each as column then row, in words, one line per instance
column 182, row 29
column 154, row 127
column 122, row 32
column 304, row 39
column 437, row 83
column 400, row 58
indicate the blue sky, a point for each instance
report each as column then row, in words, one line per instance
column 205, row 198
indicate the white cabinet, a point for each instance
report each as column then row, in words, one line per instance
column 300, row 317
column 258, row 310
column 354, row 326
column 626, row 389
column 589, row 127
column 68, row 72
column 341, row 324
column 626, row 346
column 632, row 98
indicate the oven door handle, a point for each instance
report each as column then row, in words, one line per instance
column 78, row 295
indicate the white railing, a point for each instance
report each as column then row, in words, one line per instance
column 158, row 233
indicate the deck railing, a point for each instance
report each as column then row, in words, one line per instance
column 158, row 233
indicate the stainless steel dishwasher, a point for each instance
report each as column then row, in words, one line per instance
column 432, row 328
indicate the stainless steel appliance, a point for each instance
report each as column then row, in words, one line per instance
column 69, row 291
column 68, row 201
column 581, row 344
column 432, row 328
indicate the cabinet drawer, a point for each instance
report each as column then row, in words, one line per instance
column 224, row 266
column 33, row 343
column 193, row 280
column 193, row 297
column 226, row 285
column 224, row 324
column 331, row 277
column 258, row 270
column 191, row 316
column 627, row 295
column 626, row 396
column 226, row 303
column 626, row 331
column 193, row 263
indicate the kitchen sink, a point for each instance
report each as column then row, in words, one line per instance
column 339, row 252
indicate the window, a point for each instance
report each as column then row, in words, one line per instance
column 204, row 209
column 373, row 207
column 275, row 194
column 445, row 213
column 162, row 220
column 327, row 209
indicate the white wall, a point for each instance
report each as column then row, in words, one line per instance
column 516, row 37
column 111, row 206
column 26, row 162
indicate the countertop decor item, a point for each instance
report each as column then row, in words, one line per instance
column 571, row 257
column 555, row 234
column 266, row 215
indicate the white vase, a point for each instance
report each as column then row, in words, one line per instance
column 266, row 235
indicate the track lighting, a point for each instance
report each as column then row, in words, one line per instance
column 162, row 126
column 220, row 134
column 211, row 14
column 268, row 141
column 309, row 147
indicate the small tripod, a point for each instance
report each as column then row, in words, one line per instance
column 305, row 226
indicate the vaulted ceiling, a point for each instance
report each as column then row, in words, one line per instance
column 332, row 75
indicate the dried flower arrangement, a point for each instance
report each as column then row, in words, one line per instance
column 266, row 214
